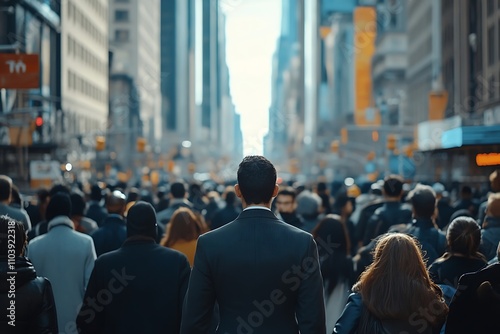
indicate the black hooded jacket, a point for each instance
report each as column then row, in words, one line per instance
column 33, row 309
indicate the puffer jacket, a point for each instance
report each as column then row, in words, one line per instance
column 34, row 310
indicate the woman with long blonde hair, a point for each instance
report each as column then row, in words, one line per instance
column 395, row 293
column 182, row 233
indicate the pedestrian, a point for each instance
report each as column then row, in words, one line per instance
column 5, row 200
column 263, row 273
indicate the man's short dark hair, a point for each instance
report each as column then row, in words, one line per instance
column 423, row 199
column 288, row 191
column 178, row 190
column 256, row 179
column 393, row 185
column 19, row 236
column 5, row 187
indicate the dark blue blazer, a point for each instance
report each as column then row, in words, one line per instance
column 110, row 235
column 263, row 273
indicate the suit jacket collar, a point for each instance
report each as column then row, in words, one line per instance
column 257, row 213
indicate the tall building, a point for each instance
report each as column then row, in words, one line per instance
column 31, row 28
column 135, row 42
column 178, row 70
column 84, row 67
column 423, row 74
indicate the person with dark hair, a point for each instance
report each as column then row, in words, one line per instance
column 336, row 265
column 433, row 241
column 395, row 293
column 95, row 210
column 163, row 199
column 343, row 206
column 145, row 283
column 228, row 213
column 5, row 200
column 490, row 234
column 463, row 237
column 466, row 201
column 65, row 257
column 286, row 206
column 392, row 212
column 41, row 228
column 113, row 231
column 288, row 298
column 445, row 210
column 183, row 232
column 78, row 207
column 36, row 211
column 34, row 307
column 322, row 191
column 177, row 200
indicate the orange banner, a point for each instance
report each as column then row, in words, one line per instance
column 365, row 32
column 19, row 71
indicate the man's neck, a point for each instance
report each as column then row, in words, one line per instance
column 260, row 205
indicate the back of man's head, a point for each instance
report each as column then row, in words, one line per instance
column 178, row 190
column 78, row 204
column 495, row 180
column 96, row 193
column 493, row 208
column 141, row 220
column 116, row 202
column 256, row 179
column 5, row 188
column 423, row 200
column 393, row 186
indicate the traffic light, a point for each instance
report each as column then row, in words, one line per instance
column 141, row 144
column 334, row 146
column 39, row 124
column 100, row 143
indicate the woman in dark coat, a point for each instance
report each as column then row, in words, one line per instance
column 28, row 299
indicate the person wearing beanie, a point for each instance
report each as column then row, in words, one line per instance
column 149, row 283
column 66, row 257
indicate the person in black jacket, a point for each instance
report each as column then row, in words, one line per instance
column 26, row 301
column 138, row 288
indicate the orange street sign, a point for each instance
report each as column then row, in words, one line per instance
column 19, row 71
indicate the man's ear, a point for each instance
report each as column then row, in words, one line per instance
column 238, row 191
column 276, row 190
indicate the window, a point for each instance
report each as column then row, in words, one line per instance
column 121, row 15
column 491, row 45
column 121, row 35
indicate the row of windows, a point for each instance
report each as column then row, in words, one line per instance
column 75, row 82
column 78, row 17
column 82, row 53
column 100, row 9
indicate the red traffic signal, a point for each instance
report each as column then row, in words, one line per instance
column 39, row 121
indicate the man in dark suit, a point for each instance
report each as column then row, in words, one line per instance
column 113, row 231
column 138, row 288
column 263, row 273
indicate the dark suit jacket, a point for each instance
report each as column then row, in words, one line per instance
column 110, row 235
column 474, row 309
column 263, row 273
column 138, row 288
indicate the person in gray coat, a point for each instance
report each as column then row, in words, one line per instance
column 66, row 257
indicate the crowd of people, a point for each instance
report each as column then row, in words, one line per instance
column 251, row 258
